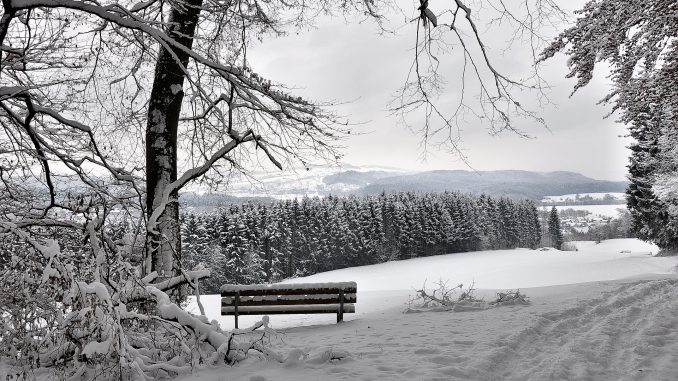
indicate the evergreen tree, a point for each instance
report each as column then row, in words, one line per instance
column 238, row 249
column 472, row 233
column 535, row 227
column 390, row 247
column 650, row 217
column 555, row 233
column 509, row 230
column 447, row 229
column 377, row 244
column 635, row 39
column 190, row 238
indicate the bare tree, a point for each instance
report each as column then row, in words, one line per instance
column 84, row 67
column 108, row 109
column 77, row 100
column 495, row 96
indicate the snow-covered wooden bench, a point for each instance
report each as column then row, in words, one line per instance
column 300, row 298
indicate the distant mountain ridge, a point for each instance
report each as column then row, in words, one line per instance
column 508, row 183
column 354, row 177
column 354, row 180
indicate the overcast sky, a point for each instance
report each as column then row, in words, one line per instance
column 351, row 62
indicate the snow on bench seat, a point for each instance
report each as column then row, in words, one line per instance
column 287, row 289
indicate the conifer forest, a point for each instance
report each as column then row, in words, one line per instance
column 261, row 243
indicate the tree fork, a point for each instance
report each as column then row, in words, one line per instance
column 163, row 247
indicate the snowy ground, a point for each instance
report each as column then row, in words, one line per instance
column 574, row 197
column 608, row 311
column 611, row 211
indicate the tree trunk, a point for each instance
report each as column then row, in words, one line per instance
column 269, row 258
column 163, row 248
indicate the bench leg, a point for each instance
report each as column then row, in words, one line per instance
column 340, row 314
column 237, row 301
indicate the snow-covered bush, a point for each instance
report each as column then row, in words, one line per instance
column 442, row 297
column 445, row 298
column 568, row 246
column 94, row 316
column 510, row 297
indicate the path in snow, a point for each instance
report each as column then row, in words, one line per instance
column 629, row 333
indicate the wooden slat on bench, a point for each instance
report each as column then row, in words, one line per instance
column 287, row 300
column 289, row 289
column 287, row 292
column 307, row 309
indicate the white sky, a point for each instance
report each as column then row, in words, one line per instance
column 350, row 62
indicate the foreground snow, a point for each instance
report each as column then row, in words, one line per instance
column 622, row 324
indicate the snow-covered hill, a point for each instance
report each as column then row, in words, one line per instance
column 509, row 183
column 348, row 179
column 586, row 198
column 607, row 311
column 311, row 181
column 604, row 211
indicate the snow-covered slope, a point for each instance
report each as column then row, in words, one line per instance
column 300, row 182
column 611, row 211
column 608, row 311
column 517, row 268
column 509, row 183
column 348, row 179
column 610, row 197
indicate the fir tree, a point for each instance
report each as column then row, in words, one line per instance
column 555, row 233
column 535, row 227
column 635, row 39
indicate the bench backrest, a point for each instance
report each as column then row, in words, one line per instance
column 300, row 298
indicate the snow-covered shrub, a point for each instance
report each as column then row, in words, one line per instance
column 510, row 297
column 445, row 298
column 442, row 297
column 568, row 246
column 93, row 315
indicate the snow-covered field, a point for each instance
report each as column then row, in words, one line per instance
column 611, row 211
column 608, row 311
column 294, row 183
column 612, row 196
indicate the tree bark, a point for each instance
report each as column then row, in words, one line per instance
column 163, row 248
column 269, row 258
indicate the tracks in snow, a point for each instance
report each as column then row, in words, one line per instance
column 630, row 333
